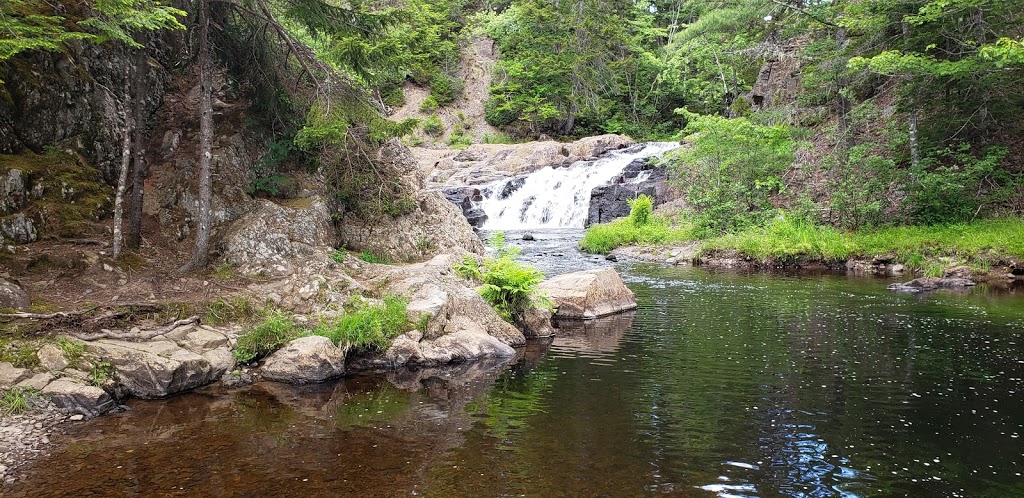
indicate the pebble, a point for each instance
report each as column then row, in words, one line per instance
column 77, row 417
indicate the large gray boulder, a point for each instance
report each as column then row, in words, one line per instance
column 77, row 397
column 155, row 369
column 12, row 296
column 276, row 238
column 461, row 326
column 11, row 375
column 589, row 294
column 305, row 360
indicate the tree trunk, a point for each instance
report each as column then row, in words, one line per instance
column 134, row 239
column 122, row 178
column 203, row 223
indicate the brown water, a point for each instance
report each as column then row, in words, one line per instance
column 719, row 384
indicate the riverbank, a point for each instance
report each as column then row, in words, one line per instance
column 990, row 250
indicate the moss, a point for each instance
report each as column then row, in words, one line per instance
column 74, row 195
column 130, row 261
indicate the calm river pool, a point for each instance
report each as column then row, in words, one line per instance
column 720, row 384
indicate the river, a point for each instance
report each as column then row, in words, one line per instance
column 720, row 384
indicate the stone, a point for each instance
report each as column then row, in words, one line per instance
column 11, row 375
column 222, row 360
column 52, row 358
column 12, row 191
column 78, row 397
column 154, row 369
column 528, row 237
column 305, row 360
column 589, row 294
column 275, row 239
column 19, row 229
column 962, row 272
column 12, row 296
column 925, row 284
column 536, row 323
column 37, row 381
column 611, row 257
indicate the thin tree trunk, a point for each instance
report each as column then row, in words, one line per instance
column 122, row 178
column 915, row 150
column 203, row 223
column 134, row 239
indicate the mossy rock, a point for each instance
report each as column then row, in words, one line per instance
column 67, row 196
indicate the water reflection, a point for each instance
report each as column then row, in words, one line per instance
column 720, row 384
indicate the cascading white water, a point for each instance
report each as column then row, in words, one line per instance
column 558, row 197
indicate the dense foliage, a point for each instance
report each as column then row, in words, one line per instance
column 508, row 285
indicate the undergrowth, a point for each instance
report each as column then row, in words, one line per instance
column 16, row 400
column 509, row 286
column 367, row 327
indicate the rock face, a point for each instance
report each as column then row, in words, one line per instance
column 932, row 283
column 274, row 237
column 611, row 201
column 467, row 198
column 305, row 360
column 160, row 368
column 12, row 296
column 589, row 294
column 78, row 397
column 435, row 225
column 486, row 163
column 19, row 228
column 461, row 325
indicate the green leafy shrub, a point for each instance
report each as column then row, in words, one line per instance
column 274, row 187
column 953, row 184
column 433, row 125
column 497, row 114
column 640, row 210
column 368, row 327
column 338, row 256
column 732, row 171
column 275, row 331
column 509, row 286
column 370, row 257
column 444, row 89
column 429, row 104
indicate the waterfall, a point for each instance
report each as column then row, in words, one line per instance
column 557, row 197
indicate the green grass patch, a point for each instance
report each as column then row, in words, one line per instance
column 368, row 327
column 16, row 400
column 274, row 331
column 370, row 257
column 623, row 232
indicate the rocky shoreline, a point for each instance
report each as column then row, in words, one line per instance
column 955, row 276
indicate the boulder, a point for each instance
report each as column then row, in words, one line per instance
column 305, row 360
column 52, row 358
column 37, row 381
column 78, row 397
column 11, row 375
column 12, row 296
column 589, row 294
column 154, row 369
column 461, row 325
column 275, row 238
column 12, row 191
column 611, row 201
column 19, row 229
column 536, row 323
column 932, row 283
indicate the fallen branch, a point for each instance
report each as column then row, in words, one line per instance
column 137, row 336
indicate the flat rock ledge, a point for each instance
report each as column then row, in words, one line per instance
column 589, row 294
column 932, row 283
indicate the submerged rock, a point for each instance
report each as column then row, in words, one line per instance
column 589, row 294
column 932, row 283
column 305, row 360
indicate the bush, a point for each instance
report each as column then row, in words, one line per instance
column 732, row 171
column 275, row 331
column 444, row 89
column 433, row 125
column 658, row 230
column 497, row 114
column 368, row 327
column 953, row 185
column 640, row 210
column 508, row 286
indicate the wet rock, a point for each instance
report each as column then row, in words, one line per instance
column 589, row 294
column 536, row 323
column 528, row 236
column 52, row 358
column 154, row 369
column 78, row 397
column 611, row 201
column 305, row 360
column 274, row 238
column 611, row 257
column 11, row 375
column 932, row 283
column 12, row 296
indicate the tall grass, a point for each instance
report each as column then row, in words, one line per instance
column 622, row 232
column 368, row 327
